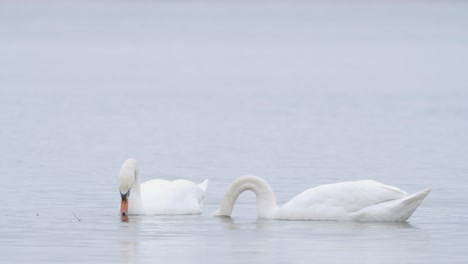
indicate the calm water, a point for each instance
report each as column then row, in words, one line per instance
column 301, row 94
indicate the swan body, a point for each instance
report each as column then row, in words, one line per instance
column 158, row 196
column 365, row 200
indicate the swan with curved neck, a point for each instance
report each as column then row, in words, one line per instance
column 157, row 196
column 345, row 201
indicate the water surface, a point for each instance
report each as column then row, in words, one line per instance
column 301, row 94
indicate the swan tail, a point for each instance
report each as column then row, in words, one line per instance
column 412, row 202
column 392, row 211
column 204, row 185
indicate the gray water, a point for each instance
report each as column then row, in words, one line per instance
column 301, row 93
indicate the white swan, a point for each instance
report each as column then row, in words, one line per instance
column 157, row 196
column 346, row 201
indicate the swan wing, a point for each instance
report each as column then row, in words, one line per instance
column 172, row 197
column 394, row 210
column 337, row 201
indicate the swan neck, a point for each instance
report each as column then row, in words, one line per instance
column 266, row 200
column 134, row 200
column 136, row 179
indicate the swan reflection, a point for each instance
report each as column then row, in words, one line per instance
column 258, row 224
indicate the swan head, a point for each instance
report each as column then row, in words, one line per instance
column 125, row 185
column 126, row 181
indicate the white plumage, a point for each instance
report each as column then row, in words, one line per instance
column 159, row 196
column 366, row 200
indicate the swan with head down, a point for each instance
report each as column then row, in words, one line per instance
column 365, row 200
column 157, row 196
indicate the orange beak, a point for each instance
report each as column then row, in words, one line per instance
column 124, row 204
column 124, row 207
